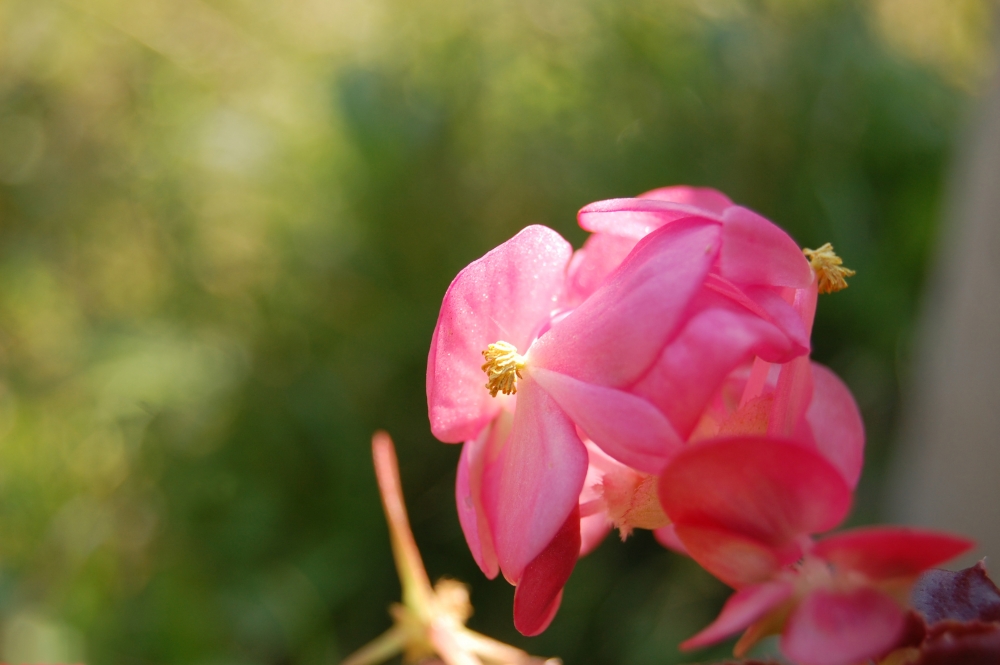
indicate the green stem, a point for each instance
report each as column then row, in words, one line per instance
column 379, row 650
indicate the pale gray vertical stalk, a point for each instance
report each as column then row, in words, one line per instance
column 947, row 465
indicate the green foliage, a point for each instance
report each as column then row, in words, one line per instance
column 225, row 230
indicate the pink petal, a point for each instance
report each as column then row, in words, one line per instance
column 694, row 364
column 538, row 478
column 667, row 536
column 804, row 302
column 794, row 390
column 469, row 487
column 635, row 218
column 756, row 381
column 756, row 251
column 616, row 334
column 506, row 295
column 599, row 463
column 745, row 607
column 626, row 427
column 836, row 423
column 770, row 490
column 706, row 198
column 782, row 314
column 598, row 258
column 539, row 590
column 842, row 628
column 593, row 530
column 724, row 287
column 594, row 523
column 467, row 514
column 888, row 552
column 791, row 397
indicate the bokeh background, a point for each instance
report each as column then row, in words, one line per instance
column 226, row 227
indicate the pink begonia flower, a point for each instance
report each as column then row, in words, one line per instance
column 524, row 465
column 760, row 269
column 800, row 398
column 623, row 348
column 837, row 601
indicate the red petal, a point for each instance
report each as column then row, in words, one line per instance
column 769, row 490
column 888, row 552
column 506, row 295
column 736, row 560
column 743, row 608
column 539, row 590
column 842, row 628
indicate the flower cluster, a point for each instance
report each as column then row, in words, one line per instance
column 659, row 378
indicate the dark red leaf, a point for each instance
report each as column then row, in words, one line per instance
column 955, row 643
column 962, row 595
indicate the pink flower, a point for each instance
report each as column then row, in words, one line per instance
column 796, row 398
column 623, row 344
column 522, row 471
column 760, row 270
column 835, row 602
column 830, row 424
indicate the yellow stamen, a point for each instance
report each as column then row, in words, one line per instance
column 503, row 368
column 829, row 268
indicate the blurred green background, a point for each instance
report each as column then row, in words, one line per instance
column 226, row 227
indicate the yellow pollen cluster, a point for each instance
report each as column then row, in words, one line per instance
column 503, row 368
column 829, row 268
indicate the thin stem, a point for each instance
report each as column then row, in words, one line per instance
column 416, row 585
column 448, row 647
column 491, row 649
column 379, row 650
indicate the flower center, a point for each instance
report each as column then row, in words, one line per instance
column 829, row 268
column 503, row 368
column 632, row 501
